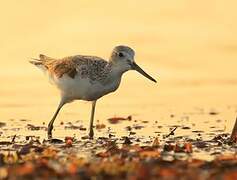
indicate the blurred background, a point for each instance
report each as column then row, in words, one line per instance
column 189, row 46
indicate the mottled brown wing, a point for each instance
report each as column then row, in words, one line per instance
column 61, row 67
column 91, row 67
column 73, row 65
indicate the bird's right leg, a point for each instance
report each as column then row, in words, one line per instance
column 50, row 125
column 91, row 133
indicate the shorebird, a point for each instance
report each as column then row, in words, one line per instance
column 87, row 78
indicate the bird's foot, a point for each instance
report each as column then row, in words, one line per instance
column 50, row 128
column 91, row 134
column 49, row 136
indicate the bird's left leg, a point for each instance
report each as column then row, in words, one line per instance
column 50, row 125
column 91, row 133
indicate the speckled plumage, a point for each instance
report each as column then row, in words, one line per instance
column 87, row 77
column 92, row 67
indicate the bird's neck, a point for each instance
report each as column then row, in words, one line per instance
column 117, row 69
column 114, row 74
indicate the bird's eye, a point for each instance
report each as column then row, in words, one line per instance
column 121, row 54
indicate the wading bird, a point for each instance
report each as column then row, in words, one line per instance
column 87, row 77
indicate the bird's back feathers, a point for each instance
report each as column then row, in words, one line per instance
column 92, row 67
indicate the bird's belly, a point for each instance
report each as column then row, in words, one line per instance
column 83, row 88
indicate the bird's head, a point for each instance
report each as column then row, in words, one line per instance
column 122, row 58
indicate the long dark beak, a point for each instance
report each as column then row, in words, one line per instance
column 140, row 70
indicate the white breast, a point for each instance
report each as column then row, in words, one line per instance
column 83, row 89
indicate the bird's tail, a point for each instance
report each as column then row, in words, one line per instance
column 36, row 62
column 41, row 62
